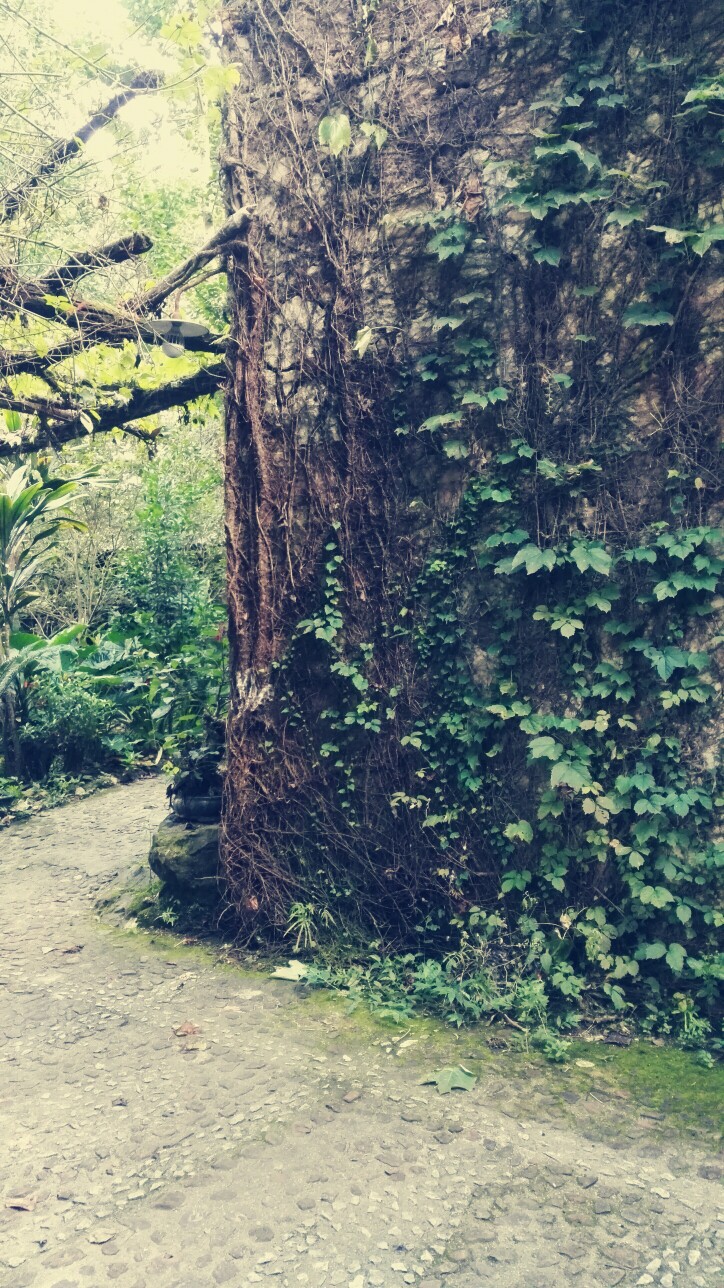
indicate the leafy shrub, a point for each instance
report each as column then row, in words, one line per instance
column 68, row 723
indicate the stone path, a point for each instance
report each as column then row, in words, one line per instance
column 283, row 1142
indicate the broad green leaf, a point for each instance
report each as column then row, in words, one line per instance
column 545, row 748
column 566, row 773
column 363, row 340
column 451, row 1078
column 520, row 831
column 456, row 449
column 533, row 559
column 701, row 244
column 442, row 421
column 652, row 952
column 451, row 323
column 377, row 133
column 626, row 215
column 547, row 255
column 591, row 556
column 334, row 132
column 675, row 957
column 646, row 315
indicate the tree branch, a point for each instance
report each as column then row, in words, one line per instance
column 152, row 299
column 94, row 323
column 89, row 261
column 64, row 150
column 60, row 425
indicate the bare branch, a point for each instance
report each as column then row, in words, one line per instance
column 89, row 261
column 179, row 276
column 64, row 150
column 35, row 364
column 60, row 425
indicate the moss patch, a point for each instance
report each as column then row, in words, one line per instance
column 659, row 1078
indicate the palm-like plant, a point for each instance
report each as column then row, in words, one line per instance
column 33, row 510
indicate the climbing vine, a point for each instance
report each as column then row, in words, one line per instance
column 499, row 699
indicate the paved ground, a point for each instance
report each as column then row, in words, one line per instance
column 283, row 1141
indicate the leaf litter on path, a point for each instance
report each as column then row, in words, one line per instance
column 451, row 1078
column 295, row 971
column 26, row 1204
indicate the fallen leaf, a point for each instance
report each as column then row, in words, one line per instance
column 295, row 971
column 451, row 1078
column 72, row 948
column 584, row 1064
column 187, row 1029
column 27, row 1204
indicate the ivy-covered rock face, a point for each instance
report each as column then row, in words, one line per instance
column 472, row 482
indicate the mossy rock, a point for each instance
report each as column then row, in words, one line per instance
column 186, row 857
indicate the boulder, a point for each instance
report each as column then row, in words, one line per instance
column 186, row 855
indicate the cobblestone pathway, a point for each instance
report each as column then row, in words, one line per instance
column 282, row 1141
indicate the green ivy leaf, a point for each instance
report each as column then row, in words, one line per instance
column 441, row 422
column 533, row 559
column 547, row 255
column 456, row 449
column 571, row 774
column 646, row 315
column 440, row 324
column 652, row 952
column 626, row 215
column 520, row 831
column 334, row 132
column 591, row 556
column 363, row 340
column 545, row 748
column 377, row 133
column 675, row 957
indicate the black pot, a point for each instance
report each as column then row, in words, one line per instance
column 196, row 809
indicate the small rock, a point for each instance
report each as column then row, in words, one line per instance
column 573, row 1251
column 262, row 1233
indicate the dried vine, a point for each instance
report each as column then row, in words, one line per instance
column 476, row 379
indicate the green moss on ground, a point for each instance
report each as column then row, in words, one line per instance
column 662, row 1078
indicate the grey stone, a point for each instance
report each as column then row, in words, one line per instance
column 187, row 855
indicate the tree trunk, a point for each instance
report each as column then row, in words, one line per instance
column 403, row 314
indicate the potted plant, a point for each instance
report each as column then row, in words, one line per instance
column 195, row 792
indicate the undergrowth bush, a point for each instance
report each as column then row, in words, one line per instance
column 68, row 725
